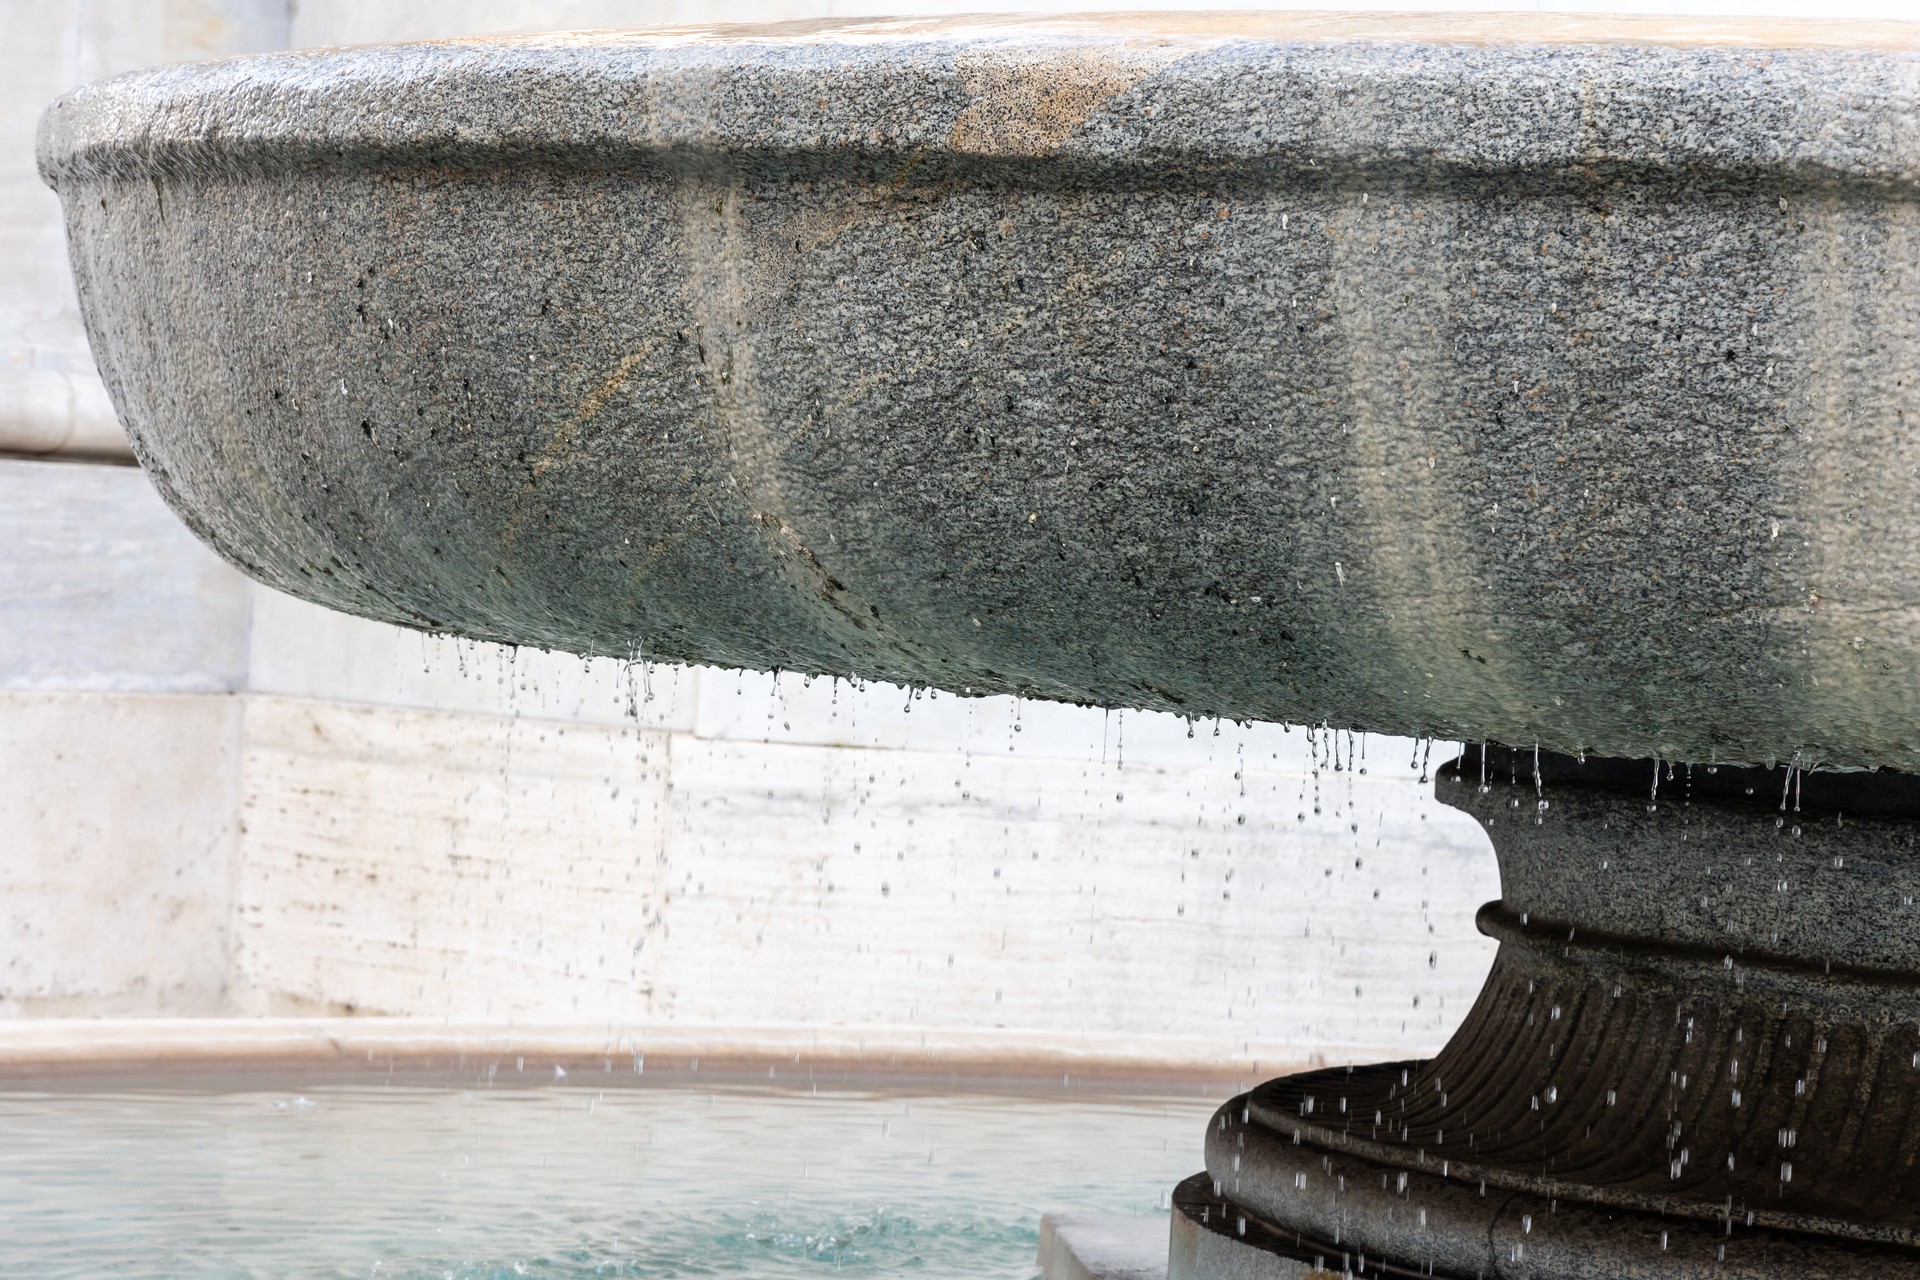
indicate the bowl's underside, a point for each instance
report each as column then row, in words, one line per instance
column 1552, row 389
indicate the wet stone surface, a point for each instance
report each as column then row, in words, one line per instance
column 1695, row 1056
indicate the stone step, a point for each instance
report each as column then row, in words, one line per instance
column 1102, row 1246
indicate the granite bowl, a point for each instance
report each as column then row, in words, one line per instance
column 1534, row 379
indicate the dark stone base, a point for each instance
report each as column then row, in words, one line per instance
column 1216, row 1239
column 1698, row 1053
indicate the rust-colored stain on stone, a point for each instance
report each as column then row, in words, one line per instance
column 1029, row 106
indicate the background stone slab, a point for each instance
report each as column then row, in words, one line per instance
column 101, row 587
column 119, row 826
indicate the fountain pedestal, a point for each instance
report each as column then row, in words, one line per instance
column 1698, row 1052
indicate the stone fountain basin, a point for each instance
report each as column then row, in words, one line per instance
column 1542, row 380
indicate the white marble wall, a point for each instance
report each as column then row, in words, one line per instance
column 738, row 852
column 417, row 862
column 469, row 866
column 122, row 641
column 102, row 588
column 995, row 891
column 119, row 814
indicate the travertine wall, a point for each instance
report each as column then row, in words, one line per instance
column 741, row 857
column 121, row 643
column 119, row 814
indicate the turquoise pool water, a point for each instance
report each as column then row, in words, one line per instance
column 264, row 1178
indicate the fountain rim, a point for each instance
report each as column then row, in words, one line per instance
column 595, row 97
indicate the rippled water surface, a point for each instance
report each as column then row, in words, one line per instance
column 262, row 1178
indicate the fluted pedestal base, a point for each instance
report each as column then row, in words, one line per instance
column 1698, row 1053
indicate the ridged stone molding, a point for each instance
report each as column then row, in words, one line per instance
column 1698, row 1053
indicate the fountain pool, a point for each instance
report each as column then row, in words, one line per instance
column 425, row 1176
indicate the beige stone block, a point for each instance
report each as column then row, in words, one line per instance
column 442, row 865
column 841, row 886
column 448, row 865
column 117, row 833
column 102, row 587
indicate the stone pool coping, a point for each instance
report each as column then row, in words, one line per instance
column 41, row 1048
column 1102, row 1246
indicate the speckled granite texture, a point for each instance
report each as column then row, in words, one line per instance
column 1545, row 387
